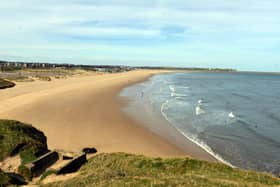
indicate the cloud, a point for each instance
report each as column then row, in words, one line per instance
column 108, row 32
column 160, row 26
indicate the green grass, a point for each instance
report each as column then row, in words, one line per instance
column 20, row 78
column 120, row 169
column 16, row 137
column 25, row 172
column 6, row 84
column 4, row 179
column 47, row 173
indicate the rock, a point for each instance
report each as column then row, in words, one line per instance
column 6, row 84
column 88, row 150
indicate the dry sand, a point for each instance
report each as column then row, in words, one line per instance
column 85, row 111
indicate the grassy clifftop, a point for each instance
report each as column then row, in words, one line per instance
column 20, row 139
column 119, row 169
column 4, row 179
column 16, row 137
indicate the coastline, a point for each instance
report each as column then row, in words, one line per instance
column 85, row 111
column 159, row 125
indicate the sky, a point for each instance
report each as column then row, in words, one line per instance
column 240, row 34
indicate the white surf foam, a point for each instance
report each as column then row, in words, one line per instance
column 231, row 115
column 173, row 94
column 205, row 147
column 183, row 87
column 199, row 110
column 164, row 106
column 194, row 139
column 172, row 89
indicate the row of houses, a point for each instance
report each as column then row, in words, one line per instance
column 10, row 66
column 5, row 65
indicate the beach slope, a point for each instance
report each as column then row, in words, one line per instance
column 85, row 111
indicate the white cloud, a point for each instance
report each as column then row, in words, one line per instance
column 200, row 16
column 108, row 32
column 239, row 24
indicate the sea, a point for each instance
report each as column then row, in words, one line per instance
column 234, row 116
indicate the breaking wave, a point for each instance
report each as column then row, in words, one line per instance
column 193, row 138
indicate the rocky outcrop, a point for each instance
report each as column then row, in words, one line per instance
column 89, row 150
column 6, row 84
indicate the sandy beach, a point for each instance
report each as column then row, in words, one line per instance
column 85, row 111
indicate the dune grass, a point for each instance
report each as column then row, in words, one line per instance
column 4, row 179
column 16, row 137
column 6, row 84
column 120, row 169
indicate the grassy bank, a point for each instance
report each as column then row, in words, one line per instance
column 23, row 139
column 20, row 139
column 4, row 179
column 119, row 169
column 6, row 84
column 29, row 75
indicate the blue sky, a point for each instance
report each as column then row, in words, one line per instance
column 242, row 34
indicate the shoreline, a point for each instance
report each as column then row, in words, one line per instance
column 85, row 111
column 159, row 125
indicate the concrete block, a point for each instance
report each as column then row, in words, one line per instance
column 73, row 165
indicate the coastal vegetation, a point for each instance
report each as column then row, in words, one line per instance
column 4, row 179
column 30, row 75
column 6, row 84
column 120, row 169
column 22, row 139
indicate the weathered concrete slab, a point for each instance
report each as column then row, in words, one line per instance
column 65, row 157
column 73, row 165
column 16, row 179
column 38, row 166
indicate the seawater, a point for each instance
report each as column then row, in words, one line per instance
column 233, row 116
